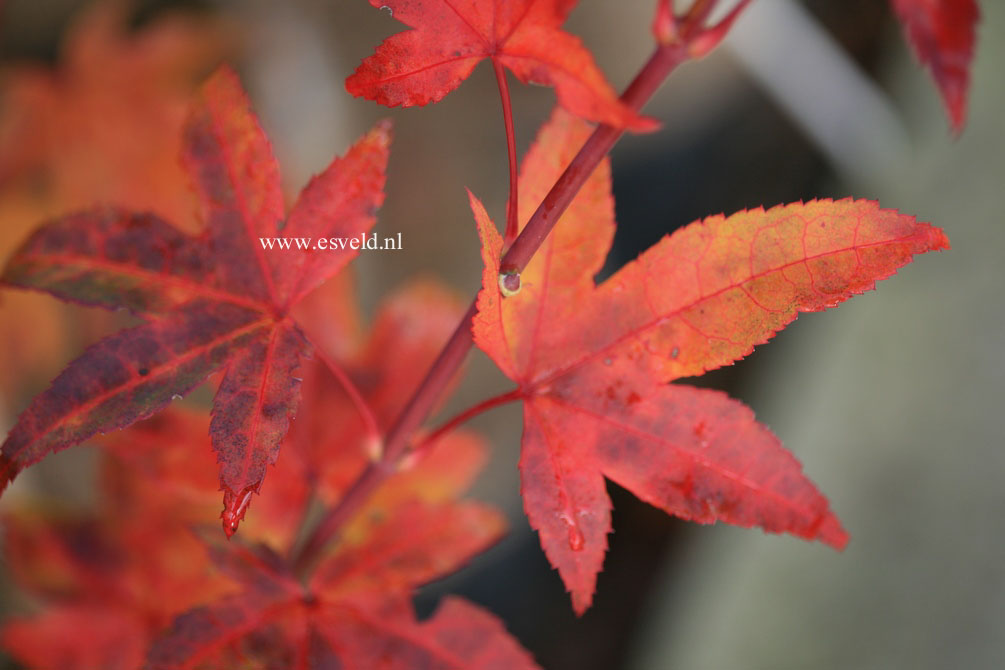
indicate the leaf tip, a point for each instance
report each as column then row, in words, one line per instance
column 381, row 133
column 832, row 533
column 234, row 508
column 8, row 470
column 224, row 77
column 938, row 240
column 942, row 36
column 644, row 124
column 581, row 601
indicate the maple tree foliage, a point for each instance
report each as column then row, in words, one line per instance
column 597, row 368
column 327, row 446
column 206, row 306
column 942, row 33
column 113, row 579
column 243, row 604
column 592, row 362
column 356, row 607
column 449, row 38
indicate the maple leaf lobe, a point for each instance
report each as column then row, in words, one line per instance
column 110, row 258
column 104, row 389
column 209, row 301
column 942, row 35
column 341, row 201
column 755, row 271
column 566, row 503
column 251, row 414
column 237, row 179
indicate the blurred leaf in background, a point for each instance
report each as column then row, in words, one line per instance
column 100, row 126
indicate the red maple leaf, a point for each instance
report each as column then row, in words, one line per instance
column 593, row 362
column 111, row 586
column 410, row 531
column 942, row 33
column 109, row 583
column 327, row 446
column 355, row 610
column 218, row 300
column 102, row 590
column 451, row 37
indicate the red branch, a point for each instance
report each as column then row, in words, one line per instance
column 360, row 403
column 468, row 414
